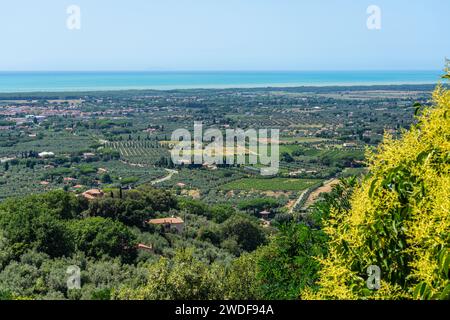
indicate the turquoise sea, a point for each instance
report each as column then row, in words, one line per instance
column 91, row 81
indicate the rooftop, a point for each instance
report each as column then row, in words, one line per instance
column 172, row 220
column 92, row 193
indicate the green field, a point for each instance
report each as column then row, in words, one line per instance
column 276, row 184
column 289, row 148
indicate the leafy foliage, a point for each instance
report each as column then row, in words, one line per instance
column 247, row 234
column 287, row 264
column 98, row 236
column 184, row 277
column 398, row 218
column 32, row 223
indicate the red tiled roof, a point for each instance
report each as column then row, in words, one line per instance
column 92, row 193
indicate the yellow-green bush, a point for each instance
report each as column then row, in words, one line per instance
column 399, row 218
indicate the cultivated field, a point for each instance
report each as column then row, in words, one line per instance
column 282, row 184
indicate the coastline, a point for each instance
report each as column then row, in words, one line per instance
column 212, row 87
column 45, row 82
column 337, row 86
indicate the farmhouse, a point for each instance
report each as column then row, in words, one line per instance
column 46, row 154
column 93, row 194
column 88, row 155
column 209, row 166
column 183, row 162
column 173, row 223
column 350, row 145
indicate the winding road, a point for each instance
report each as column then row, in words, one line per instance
column 168, row 177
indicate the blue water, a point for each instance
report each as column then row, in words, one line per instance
column 90, row 81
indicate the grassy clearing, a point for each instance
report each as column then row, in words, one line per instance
column 289, row 148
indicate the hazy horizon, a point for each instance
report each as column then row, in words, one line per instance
column 233, row 35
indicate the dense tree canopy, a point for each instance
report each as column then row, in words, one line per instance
column 98, row 236
column 246, row 232
column 28, row 223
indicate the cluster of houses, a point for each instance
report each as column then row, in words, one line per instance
column 174, row 224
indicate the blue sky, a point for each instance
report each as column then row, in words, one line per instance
column 223, row 35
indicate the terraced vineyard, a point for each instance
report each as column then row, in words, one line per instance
column 142, row 153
